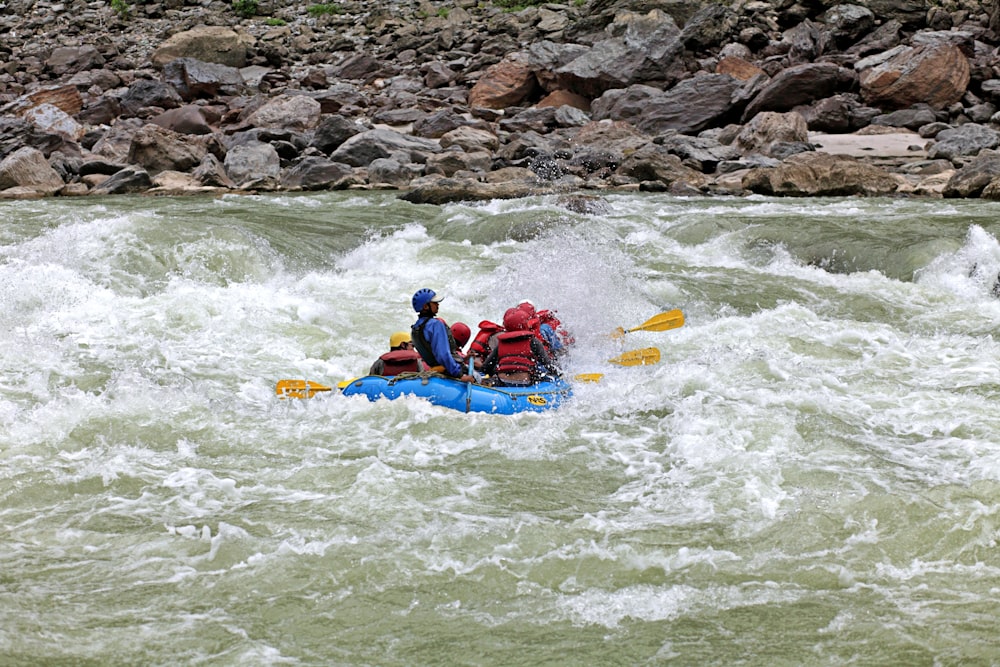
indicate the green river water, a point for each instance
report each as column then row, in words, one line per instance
column 810, row 476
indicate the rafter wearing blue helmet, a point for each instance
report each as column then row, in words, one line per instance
column 432, row 336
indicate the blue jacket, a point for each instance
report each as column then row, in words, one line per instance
column 551, row 339
column 436, row 334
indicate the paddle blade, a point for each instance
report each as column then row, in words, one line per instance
column 644, row 357
column 299, row 388
column 672, row 319
column 588, row 377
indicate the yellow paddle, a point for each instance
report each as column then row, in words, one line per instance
column 671, row 319
column 299, row 388
column 644, row 357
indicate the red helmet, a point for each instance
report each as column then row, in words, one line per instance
column 461, row 332
column 527, row 307
column 515, row 319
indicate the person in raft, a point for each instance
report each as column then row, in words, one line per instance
column 484, row 342
column 432, row 337
column 519, row 359
column 461, row 332
column 401, row 357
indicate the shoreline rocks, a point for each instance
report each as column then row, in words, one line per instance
column 449, row 101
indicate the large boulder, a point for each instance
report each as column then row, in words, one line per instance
column 820, row 175
column 800, row 84
column 470, row 139
column 361, row 149
column 212, row 44
column 53, row 120
column 316, row 173
column 967, row 139
column 187, row 119
column 252, row 163
column 937, row 74
column 648, row 49
column 511, row 82
column 27, row 167
column 972, row 179
column 769, row 128
column 71, row 59
column 146, row 93
column 65, row 98
column 654, row 163
column 292, row 112
column 447, row 190
column 847, row 23
column 158, row 149
column 193, row 79
column 624, row 103
column 333, row 130
column 703, row 101
column 129, row 180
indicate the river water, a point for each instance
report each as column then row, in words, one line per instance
column 810, row 476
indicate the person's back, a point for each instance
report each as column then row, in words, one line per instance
column 519, row 357
column 401, row 357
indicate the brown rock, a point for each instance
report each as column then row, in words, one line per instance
column 508, row 83
column 187, row 119
column 447, row 190
column 769, row 127
column 820, row 175
column 560, row 98
column 65, row 98
column 738, row 68
column 470, row 139
column 157, row 149
column 22, row 192
column 212, row 44
column 74, row 190
column 937, row 74
column 654, row 164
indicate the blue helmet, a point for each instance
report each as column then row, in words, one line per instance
column 424, row 296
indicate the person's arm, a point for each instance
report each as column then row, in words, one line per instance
column 437, row 338
column 489, row 366
column 377, row 368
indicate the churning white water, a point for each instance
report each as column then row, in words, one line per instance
column 811, row 475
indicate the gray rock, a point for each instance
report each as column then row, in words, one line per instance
column 193, row 79
column 970, row 180
column 129, row 180
column 316, row 173
column 27, row 167
column 250, row 162
column 361, row 149
column 967, row 139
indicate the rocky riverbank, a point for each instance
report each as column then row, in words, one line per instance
column 468, row 100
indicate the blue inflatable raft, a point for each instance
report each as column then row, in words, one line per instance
column 462, row 396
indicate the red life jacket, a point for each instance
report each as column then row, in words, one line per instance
column 400, row 361
column 514, row 353
column 480, row 344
